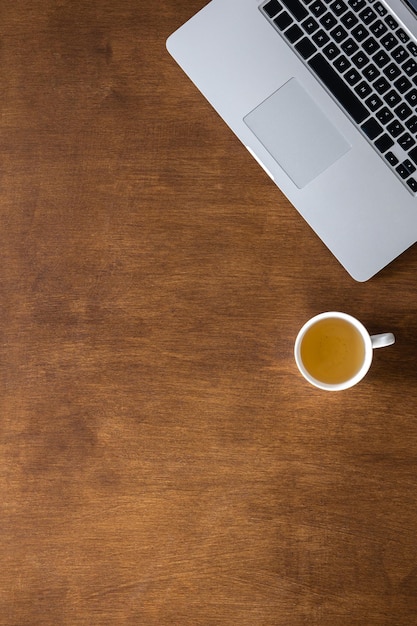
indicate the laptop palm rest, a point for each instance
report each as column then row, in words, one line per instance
column 297, row 133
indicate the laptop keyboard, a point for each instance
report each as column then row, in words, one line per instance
column 367, row 61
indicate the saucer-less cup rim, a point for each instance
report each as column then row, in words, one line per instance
column 366, row 361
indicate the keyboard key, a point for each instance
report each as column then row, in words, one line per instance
column 283, row 20
column 328, row 21
column 402, row 35
column 339, row 34
column 352, row 76
column 378, row 28
column 349, row 47
column 392, row 98
column 338, row 7
column 392, row 23
column 317, row 8
column 367, row 15
column 384, row 143
column 342, row 63
column 402, row 171
column 271, row 8
column 380, row 9
column 400, row 54
column 296, row 9
column 331, row 51
column 384, row 115
column 413, row 154
column 372, row 128
column 360, row 59
column 349, row 19
column 411, row 124
column 406, row 141
column 381, row 59
column 381, row 85
column 363, row 89
column 402, row 111
column 395, row 128
column 371, row 72
column 410, row 67
column 305, row 48
column 294, row 33
column 389, row 41
column 411, row 97
column 409, row 166
column 357, row 5
column 341, row 92
column 402, row 84
column 391, row 158
column 310, row 25
column 412, row 47
column 412, row 183
column 392, row 71
column 370, row 45
column 320, row 38
column 359, row 33
column 374, row 102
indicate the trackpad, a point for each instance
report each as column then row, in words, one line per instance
column 297, row 133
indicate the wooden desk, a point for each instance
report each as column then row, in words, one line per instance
column 162, row 462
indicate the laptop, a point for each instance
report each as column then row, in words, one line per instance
column 323, row 94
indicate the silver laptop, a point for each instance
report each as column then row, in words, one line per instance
column 323, row 94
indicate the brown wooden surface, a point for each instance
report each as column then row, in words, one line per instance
column 162, row 462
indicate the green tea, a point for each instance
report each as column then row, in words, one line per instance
column 332, row 350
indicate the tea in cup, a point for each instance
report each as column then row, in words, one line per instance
column 333, row 350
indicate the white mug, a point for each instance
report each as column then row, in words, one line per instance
column 333, row 350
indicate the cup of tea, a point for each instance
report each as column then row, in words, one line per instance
column 334, row 351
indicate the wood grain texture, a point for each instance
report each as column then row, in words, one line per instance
column 161, row 461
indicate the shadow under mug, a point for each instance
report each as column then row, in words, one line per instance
column 334, row 351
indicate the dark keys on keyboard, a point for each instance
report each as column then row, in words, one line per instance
column 384, row 115
column 339, row 34
column 371, row 72
column 381, row 58
column 378, row 28
column 320, row 38
column 389, row 41
column 411, row 97
column 328, row 21
column 380, row 9
column 272, row 8
column 359, row 33
column 370, row 45
column 305, row 48
column 342, row 93
column 367, row 15
column 349, row 19
column 402, row 84
column 357, row 5
column 383, row 143
column 283, row 20
column 392, row 71
column 296, row 9
column 317, row 8
column 395, row 128
column 402, row 111
column 294, row 33
column 310, row 25
column 392, row 23
column 331, row 51
column 374, row 102
column 412, row 124
column 372, row 128
column 338, row 7
column 349, row 46
column 410, row 67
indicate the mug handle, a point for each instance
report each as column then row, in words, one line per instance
column 384, row 339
